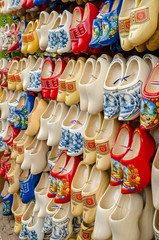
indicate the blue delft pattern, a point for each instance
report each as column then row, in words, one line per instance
column 130, row 100
column 11, row 116
column 24, row 231
column 32, row 235
column 62, row 39
column 34, row 80
column 64, row 140
column 1, row 142
column 48, row 224
column 60, row 230
column 52, row 39
column 111, row 103
column 77, row 223
column 76, row 144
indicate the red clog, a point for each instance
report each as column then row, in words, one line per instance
column 7, row 166
column 4, row 74
column 149, row 111
column 136, row 162
column 65, row 179
column 54, row 81
column 58, row 168
column 12, row 133
column 4, row 160
column 30, row 4
column 14, row 40
column 77, row 17
column 84, row 28
column 24, row 4
column 118, row 151
column 46, row 73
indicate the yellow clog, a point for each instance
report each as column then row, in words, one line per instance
column 33, row 41
column 28, row 30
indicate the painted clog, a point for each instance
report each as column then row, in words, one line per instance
column 7, row 200
column 155, row 180
column 34, row 227
column 151, row 60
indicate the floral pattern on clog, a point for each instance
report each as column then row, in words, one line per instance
column 64, row 140
column 111, row 103
column 35, row 80
column 32, row 235
column 62, row 39
column 48, row 224
column 63, row 188
column 7, row 205
column 129, row 100
column 116, row 172
column 77, row 144
column 131, row 177
column 11, row 115
column 24, row 231
column 52, row 39
column 60, row 230
column 77, row 223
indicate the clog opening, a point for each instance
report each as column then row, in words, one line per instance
column 115, row 73
column 22, row 64
column 33, row 144
column 68, row 70
column 29, row 28
column 61, row 162
column 57, row 22
column 53, row 153
column 9, row 133
column 157, row 220
column 4, row 96
column 68, row 168
column 0, row 126
column 38, row 147
column 16, row 202
column 14, row 67
column 36, row 102
column 21, row 103
column 43, row 183
column 86, row 11
column 42, row 20
column 36, row 24
column 22, row 26
column 24, row 175
column 135, row 148
column 29, row 212
column 144, row 2
column 51, row 17
column 77, row 17
column 152, row 84
column 52, row 206
column 106, row 130
column 33, row 220
column 115, row 5
column 49, row 110
column 122, row 208
column 97, row 72
column 5, row 189
column 47, row 70
column 122, row 141
column 110, row 197
column 62, row 212
column 76, row 70
column 81, row 176
column 20, row 136
column 105, row 8
column 87, row 74
column 57, row 115
column 71, row 116
column 93, row 126
column 94, row 181
column 126, row 8
column 149, row 62
column 37, row 64
column 131, row 72
column 15, row 97
column 57, row 69
column 64, row 19
column 21, row 209
column 81, row 120
column 12, row 28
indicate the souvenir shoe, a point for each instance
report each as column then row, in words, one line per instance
column 3, row 161
column 32, row 37
column 144, row 17
column 42, row 185
column 19, row 138
column 72, row 83
column 155, row 224
column 28, row 183
column 104, row 143
column 45, row 117
column 11, row 134
column 23, row 109
column 126, row 214
column 94, row 87
column 55, row 171
column 39, row 153
column 106, row 206
column 43, row 201
column 54, row 124
column 130, row 91
column 18, row 76
column 151, row 60
column 85, row 230
column 42, row 21
column 85, row 78
column 22, row 27
column 21, row 146
column 13, row 103
column 149, row 103
column 11, row 31
column 52, row 35
column 14, row 69
column 18, row 217
column 14, row 45
column 92, row 192
column 46, row 73
column 34, row 227
column 110, row 24
column 24, row 4
column 34, row 117
column 51, row 210
column 62, row 33
column 120, row 148
column 84, row 28
column 75, row 147
column 111, row 97
column 54, row 84
column 5, row 39
column 25, row 221
column 64, row 180
column 35, row 76
column 26, row 164
column 67, row 123
column 91, row 133
column 7, row 167
column 154, row 180
column 7, row 200
column 13, row 178
column 78, row 184
column 67, row 73
column 25, row 73
column 5, row 65
column 146, row 219
column 76, row 18
column 16, row 202
column 29, row 28
column 43, row 42
column 134, row 179
column 153, row 43
column 124, row 23
column 4, row 108
column 97, row 24
column 53, row 155
column 62, row 222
